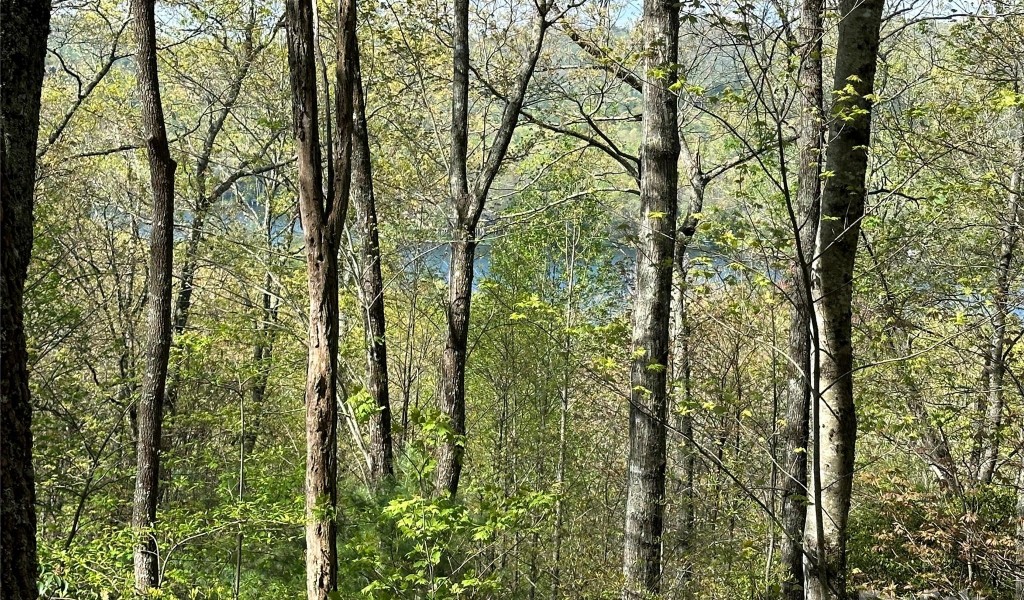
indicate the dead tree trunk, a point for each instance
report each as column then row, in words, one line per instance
column 648, row 408
column 371, row 283
column 834, row 422
column 158, row 344
column 804, row 217
column 22, row 58
column 322, row 216
column 467, row 206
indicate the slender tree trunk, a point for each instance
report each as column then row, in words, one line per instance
column 794, row 459
column 322, row 217
column 563, row 424
column 262, row 356
column 452, row 398
column 685, row 459
column 805, row 228
column 1019, row 584
column 371, row 283
column 25, row 26
column 236, row 584
column 996, row 371
column 681, row 368
column 834, row 430
column 572, row 239
column 407, row 358
column 467, row 205
column 150, row 408
column 648, row 408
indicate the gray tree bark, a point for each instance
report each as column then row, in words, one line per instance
column 685, row 460
column 648, row 409
column 322, row 215
column 371, row 283
column 159, row 332
column 25, row 26
column 834, row 423
column 467, row 206
column 804, row 216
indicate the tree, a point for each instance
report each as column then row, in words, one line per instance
column 467, row 206
column 547, row 380
column 804, row 214
column 322, row 216
column 22, row 59
column 371, row 288
column 834, row 421
column 158, row 329
column 991, row 434
column 648, row 402
column 207, row 197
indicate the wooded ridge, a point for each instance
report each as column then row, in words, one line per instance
column 493, row 299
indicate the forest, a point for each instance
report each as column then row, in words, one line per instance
column 511, row 299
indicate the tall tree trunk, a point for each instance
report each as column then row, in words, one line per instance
column 26, row 24
column 794, row 460
column 834, row 429
column 467, row 206
column 991, row 436
column 685, row 458
column 189, row 259
column 322, row 217
column 805, row 228
column 371, row 283
column 158, row 344
column 452, row 399
column 648, row 407
column 321, row 417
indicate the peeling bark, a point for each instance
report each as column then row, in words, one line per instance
column 322, row 215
